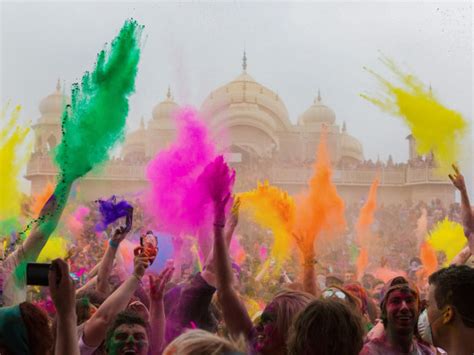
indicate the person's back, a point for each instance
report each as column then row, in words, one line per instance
column 326, row 327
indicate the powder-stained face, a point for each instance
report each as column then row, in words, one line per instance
column 129, row 339
column 267, row 337
column 402, row 311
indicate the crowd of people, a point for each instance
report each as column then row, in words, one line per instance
column 95, row 302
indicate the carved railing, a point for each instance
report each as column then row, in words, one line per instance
column 122, row 170
column 43, row 165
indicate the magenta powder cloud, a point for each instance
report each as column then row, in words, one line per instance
column 176, row 203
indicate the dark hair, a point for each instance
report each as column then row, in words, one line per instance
column 455, row 286
column 40, row 337
column 93, row 296
column 126, row 317
column 326, row 327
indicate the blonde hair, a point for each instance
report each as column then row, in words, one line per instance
column 200, row 342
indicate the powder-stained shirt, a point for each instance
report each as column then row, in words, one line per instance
column 381, row 346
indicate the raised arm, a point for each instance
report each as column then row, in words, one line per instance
column 63, row 296
column 107, row 261
column 309, row 275
column 96, row 327
column 48, row 221
column 233, row 310
column 467, row 215
column 157, row 309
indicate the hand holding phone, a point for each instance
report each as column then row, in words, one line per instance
column 37, row 274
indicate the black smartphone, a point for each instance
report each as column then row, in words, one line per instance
column 37, row 274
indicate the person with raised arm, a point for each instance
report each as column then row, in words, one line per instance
column 107, row 262
column 14, row 286
column 270, row 335
column 92, row 332
column 157, row 309
column 467, row 216
column 62, row 290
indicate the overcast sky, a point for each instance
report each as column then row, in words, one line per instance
column 292, row 48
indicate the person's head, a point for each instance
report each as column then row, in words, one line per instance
column 334, row 280
column 25, row 328
column 368, row 281
column 200, row 342
column 400, row 306
column 342, row 295
column 276, row 319
column 415, row 263
column 377, row 290
column 129, row 332
column 358, row 291
column 326, row 327
column 450, row 304
column 84, row 309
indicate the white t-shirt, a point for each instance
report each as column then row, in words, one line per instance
column 83, row 347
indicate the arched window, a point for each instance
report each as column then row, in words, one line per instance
column 51, row 142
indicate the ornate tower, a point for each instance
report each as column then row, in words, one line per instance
column 47, row 131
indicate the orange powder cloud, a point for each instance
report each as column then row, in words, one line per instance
column 320, row 208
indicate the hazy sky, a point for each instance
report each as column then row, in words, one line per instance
column 292, row 48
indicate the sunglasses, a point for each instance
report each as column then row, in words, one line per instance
column 334, row 292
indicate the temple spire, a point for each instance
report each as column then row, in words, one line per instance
column 168, row 93
column 319, row 95
column 58, row 85
column 244, row 62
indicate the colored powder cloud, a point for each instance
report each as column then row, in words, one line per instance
column 435, row 127
column 365, row 221
column 447, row 237
column 41, row 199
column 320, row 208
column 110, row 211
column 75, row 222
column 95, row 121
column 274, row 209
column 56, row 247
column 421, row 226
column 13, row 158
column 173, row 174
column 428, row 258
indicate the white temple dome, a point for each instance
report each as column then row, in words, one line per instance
column 249, row 95
column 350, row 146
column 165, row 109
column 317, row 113
column 53, row 104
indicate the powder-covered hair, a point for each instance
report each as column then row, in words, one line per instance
column 200, row 342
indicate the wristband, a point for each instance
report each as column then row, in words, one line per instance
column 219, row 225
column 113, row 244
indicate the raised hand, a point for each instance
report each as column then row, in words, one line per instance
column 61, row 286
column 158, row 284
column 458, row 179
column 141, row 263
column 234, row 217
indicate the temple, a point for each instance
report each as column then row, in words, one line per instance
column 261, row 143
